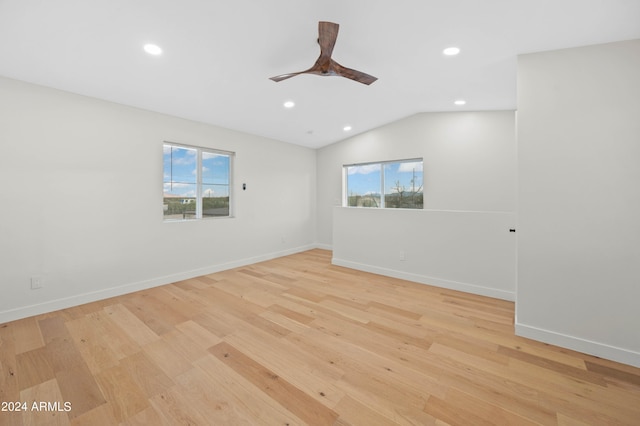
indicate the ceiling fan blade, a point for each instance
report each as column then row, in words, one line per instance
column 355, row 75
column 315, row 69
column 281, row 77
column 327, row 36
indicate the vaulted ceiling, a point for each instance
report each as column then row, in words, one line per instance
column 218, row 55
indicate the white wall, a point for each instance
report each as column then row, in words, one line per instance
column 81, row 199
column 579, row 199
column 469, row 192
column 461, row 250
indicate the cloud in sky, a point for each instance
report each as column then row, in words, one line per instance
column 179, row 184
column 410, row 167
column 181, row 189
column 179, row 155
column 187, row 160
column 364, row 169
column 211, row 155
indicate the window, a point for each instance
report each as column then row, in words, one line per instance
column 196, row 183
column 389, row 184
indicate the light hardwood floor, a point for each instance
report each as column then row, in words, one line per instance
column 295, row 341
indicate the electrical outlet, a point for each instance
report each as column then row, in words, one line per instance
column 402, row 255
column 36, row 282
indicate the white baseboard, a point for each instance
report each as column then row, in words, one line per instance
column 80, row 299
column 423, row 279
column 601, row 350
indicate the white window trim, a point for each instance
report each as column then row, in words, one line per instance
column 199, row 203
column 345, row 179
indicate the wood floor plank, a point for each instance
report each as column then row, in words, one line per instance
column 391, row 400
column 60, row 348
column 383, row 354
column 78, row 386
column 168, row 358
column 152, row 313
column 568, row 421
column 291, row 314
column 299, row 403
column 485, row 409
column 353, row 412
column 198, row 334
column 312, row 376
column 347, row 310
column 249, row 405
column 565, row 370
column 441, row 409
column 284, row 321
column 180, row 306
column 101, row 415
column 34, row 368
column 612, row 372
column 46, row 405
column 146, row 374
column 477, row 348
column 567, row 394
column 184, row 346
column 211, row 402
column 418, row 337
column 150, row 416
column 9, row 375
column 502, row 390
column 176, row 408
column 299, row 341
column 120, row 344
column 27, row 335
column 363, row 365
column 244, row 395
column 394, row 311
column 130, row 324
column 305, row 294
column 214, row 323
column 124, row 396
column 74, row 378
column 91, row 343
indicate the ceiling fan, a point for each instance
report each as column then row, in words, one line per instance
column 328, row 33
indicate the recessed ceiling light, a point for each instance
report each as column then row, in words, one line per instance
column 460, row 102
column 152, row 49
column 289, row 104
column 451, row 51
column 346, row 128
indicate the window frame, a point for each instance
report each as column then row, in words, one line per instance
column 199, row 181
column 381, row 164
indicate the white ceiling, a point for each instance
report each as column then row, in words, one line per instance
column 219, row 54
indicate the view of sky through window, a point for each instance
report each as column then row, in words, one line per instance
column 215, row 175
column 192, row 193
column 403, row 176
column 403, row 182
column 364, row 179
column 180, row 177
column 180, row 171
